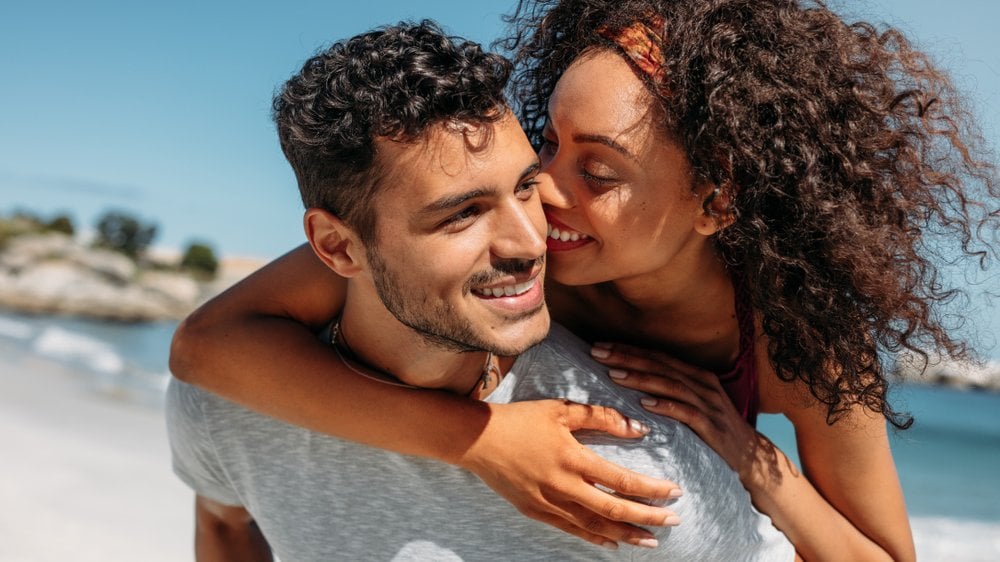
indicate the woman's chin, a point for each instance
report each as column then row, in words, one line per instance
column 573, row 276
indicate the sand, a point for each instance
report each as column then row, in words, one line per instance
column 85, row 475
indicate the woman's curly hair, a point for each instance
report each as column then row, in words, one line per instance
column 849, row 158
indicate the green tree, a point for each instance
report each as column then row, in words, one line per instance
column 61, row 223
column 199, row 258
column 124, row 233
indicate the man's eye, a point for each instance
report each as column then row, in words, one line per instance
column 527, row 189
column 460, row 218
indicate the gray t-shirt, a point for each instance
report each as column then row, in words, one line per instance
column 319, row 498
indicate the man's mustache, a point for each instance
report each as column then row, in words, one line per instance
column 501, row 269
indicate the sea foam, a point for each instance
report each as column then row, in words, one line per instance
column 65, row 345
column 946, row 539
column 15, row 330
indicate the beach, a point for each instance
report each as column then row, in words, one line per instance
column 86, row 474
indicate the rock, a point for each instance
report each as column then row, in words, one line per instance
column 51, row 274
column 32, row 248
column 949, row 372
column 177, row 287
column 115, row 266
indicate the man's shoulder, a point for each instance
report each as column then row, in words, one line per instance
column 561, row 367
column 562, row 347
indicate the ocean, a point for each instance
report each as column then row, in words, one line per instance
column 948, row 462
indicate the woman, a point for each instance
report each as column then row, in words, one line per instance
column 741, row 186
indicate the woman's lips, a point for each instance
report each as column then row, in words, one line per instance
column 561, row 237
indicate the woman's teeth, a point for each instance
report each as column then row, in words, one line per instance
column 506, row 291
column 565, row 235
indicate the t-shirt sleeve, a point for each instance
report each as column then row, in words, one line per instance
column 195, row 459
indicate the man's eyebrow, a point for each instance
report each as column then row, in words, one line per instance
column 451, row 201
column 456, row 200
column 606, row 141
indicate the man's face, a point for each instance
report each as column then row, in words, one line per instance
column 459, row 245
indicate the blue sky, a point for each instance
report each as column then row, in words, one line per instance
column 161, row 108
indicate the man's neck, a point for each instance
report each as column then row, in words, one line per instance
column 379, row 342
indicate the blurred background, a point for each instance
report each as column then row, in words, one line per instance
column 140, row 174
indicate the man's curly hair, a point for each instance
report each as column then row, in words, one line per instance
column 391, row 83
column 848, row 155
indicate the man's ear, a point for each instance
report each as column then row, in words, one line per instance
column 335, row 243
column 716, row 211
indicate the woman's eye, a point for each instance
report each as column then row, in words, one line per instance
column 548, row 148
column 600, row 181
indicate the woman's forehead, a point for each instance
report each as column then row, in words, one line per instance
column 601, row 94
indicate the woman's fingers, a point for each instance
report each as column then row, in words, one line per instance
column 662, row 386
column 636, row 359
column 529, row 455
column 585, row 521
column 690, row 416
column 564, row 524
column 608, row 474
column 601, row 418
column 622, row 482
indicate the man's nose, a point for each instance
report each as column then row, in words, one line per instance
column 520, row 232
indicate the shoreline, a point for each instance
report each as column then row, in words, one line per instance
column 87, row 474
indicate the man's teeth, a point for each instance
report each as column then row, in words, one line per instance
column 506, row 291
column 565, row 235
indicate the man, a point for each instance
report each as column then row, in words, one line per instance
column 420, row 188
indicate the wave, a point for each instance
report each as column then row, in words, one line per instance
column 15, row 330
column 57, row 343
column 947, row 539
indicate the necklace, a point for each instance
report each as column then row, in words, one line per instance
column 490, row 369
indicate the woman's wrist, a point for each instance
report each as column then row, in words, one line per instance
column 760, row 467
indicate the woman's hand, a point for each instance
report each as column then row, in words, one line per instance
column 832, row 514
column 691, row 396
column 529, row 456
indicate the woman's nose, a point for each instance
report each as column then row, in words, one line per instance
column 551, row 190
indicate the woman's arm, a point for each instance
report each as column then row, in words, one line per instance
column 225, row 532
column 255, row 344
column 846, row 503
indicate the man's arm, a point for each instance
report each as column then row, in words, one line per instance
column 225, row 533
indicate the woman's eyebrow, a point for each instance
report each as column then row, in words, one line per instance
column 606, row 141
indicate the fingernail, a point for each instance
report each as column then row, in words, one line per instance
column 637, row 425
column 649, row 402
column 671, row 520
column 617, row 374
column 675, row 493
column 648, row 543
column 610, row 545
column 600, row 352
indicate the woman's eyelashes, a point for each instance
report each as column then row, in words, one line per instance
column 599, row 176
column 547, row 150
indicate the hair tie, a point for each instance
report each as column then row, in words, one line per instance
column 641, row 43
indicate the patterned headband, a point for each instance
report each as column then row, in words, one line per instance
column 641, row 43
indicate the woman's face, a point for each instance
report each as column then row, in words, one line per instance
column 623, row 202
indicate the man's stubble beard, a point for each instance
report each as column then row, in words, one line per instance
column 441, row 326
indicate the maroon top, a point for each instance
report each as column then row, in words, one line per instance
column 740, row 383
